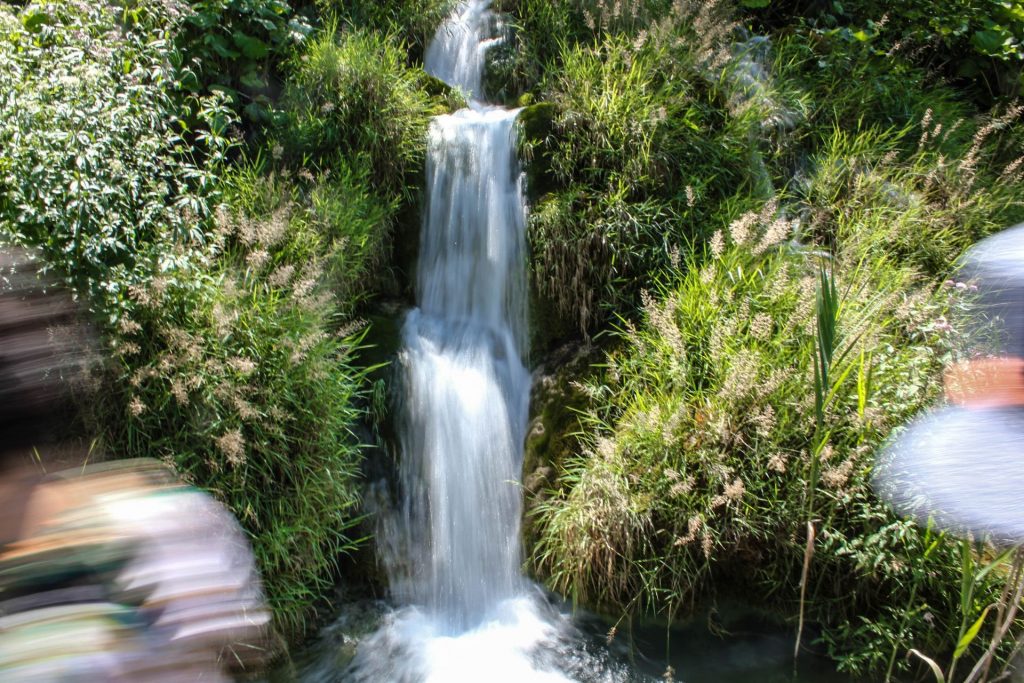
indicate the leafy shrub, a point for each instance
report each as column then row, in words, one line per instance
column 693, row 477
column 412, row 22
column 333, row 223
column 635, row 137
column 351, row 94
column 976, row 41
column 94, row 169
column 231, row 360
column 235, row 47
column 234, row 379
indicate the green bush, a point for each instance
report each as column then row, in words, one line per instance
column 237, row 47
column 231, row 358
column 977, row 42
column 413, row 22
column 693, row 479
column 636, row 137
column 332, row 222
column 236, row 379
column 351, row 94
column 94, row 168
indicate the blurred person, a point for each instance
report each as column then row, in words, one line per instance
column 110, row 572
column 959, row 467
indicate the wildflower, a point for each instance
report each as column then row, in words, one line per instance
column 764, row 421
column 925, row 122
column 741, row 229
column 245, row 410
column 741, row 377
column 735, row 490
column 136, row 407
column 777, row 231
column 141, row 296
column 271, row 231
column 777, row 463
column 706, row 545
column 661, row 318
column 248, row 232
column 281, row 276
column 180, row 391
column 836, row 477
column 128, row 326
column 674, row 257
column 257, row 259
column 241, row 365
column 277, row 152
column 717, row 244
column 327, row 107
column 222, row 219
column 129, row 348
column 761, row 326
column 1012, row 173
column 159, row 286
column 691, row 197
column 232, row 445
column 681, row 488
column 693, row 525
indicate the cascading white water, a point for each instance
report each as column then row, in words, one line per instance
column 452, row 548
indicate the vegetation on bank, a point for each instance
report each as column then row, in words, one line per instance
column 230, row 186
column 224, row 240
column 695, row 187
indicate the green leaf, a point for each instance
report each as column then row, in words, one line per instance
column 253, row 48
column 972, row 632
column 33, row 20
column 220, row 46
column 989, row 42
column 253, row 80
column 755, row 4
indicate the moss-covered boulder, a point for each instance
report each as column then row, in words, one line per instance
column 555, row 404
column 536, row 122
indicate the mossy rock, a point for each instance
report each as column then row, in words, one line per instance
column 435, row 87
column 549, row 329
column 555, row 405
column 536, row 124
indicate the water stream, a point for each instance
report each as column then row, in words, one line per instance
column 451, row 545
column 452, row 548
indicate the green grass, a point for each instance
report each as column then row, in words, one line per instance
column 697, row 209
column 351, row 95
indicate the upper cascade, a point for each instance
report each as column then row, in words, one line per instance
column 458, row 51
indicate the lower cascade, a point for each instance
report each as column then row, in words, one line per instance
column 451, row 548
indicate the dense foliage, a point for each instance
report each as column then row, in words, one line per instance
column 228, row 185
column 691, row 181
column 225, row 278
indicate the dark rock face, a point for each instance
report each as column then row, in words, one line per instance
column 555, row 404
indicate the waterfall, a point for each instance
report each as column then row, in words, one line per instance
column 451, row 548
